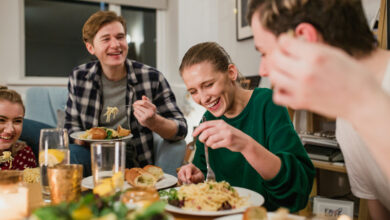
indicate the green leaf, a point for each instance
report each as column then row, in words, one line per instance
column 87, row 199
column 154, row 209
column 52, row 213
column 120, row 209
column 173, row 194
column 163, row 193
column 105, row 211
column 109, row 134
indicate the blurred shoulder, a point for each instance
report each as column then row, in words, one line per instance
column 262, row 95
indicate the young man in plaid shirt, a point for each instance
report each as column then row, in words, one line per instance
column 143, row 96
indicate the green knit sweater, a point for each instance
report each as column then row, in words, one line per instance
column 270, row 126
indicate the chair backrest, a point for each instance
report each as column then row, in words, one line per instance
column 31, row 132
column 168, row 155
column 42, row 103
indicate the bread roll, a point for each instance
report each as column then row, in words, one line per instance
column 156, row 171
column 97, row 133
column 139, row 177
column 255, row 213
column 122, row 132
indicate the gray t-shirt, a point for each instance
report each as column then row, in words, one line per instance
column 114, row 95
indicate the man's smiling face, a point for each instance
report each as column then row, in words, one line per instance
column 110, row 45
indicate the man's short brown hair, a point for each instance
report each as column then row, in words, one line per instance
column 98, row 20
column 342, row 23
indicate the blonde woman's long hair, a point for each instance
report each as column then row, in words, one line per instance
column 210, row 52
column 11, row 96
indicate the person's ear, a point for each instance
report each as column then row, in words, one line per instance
column 308, row 32
column 233, row 72
column 90, row 48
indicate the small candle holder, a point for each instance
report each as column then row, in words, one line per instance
column 13, row 195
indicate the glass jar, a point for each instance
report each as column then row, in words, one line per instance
column 13, row 195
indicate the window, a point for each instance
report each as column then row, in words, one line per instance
column 141, row 34
column 53, row 38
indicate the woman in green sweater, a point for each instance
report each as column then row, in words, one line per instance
column 252, row 142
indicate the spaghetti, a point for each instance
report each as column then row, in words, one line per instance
column 210, row 196
column 31, row 175
column 7, row 157
column 111, row 111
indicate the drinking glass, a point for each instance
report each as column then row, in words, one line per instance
column 53, row 150
column 65, row 182
column 108, row 162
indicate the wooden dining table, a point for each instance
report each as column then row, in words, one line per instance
column 36, row 201
column 191, row 217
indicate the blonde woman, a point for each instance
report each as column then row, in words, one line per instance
column 252, row 142
column 14, row 155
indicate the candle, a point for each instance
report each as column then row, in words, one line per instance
column 13, row 195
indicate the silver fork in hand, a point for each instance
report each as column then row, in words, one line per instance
column 210, row 173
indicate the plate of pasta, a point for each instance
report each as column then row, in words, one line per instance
column 210, row 199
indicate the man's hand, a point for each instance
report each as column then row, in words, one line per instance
column 80, row 142
column 316, row 77
column 145, row 112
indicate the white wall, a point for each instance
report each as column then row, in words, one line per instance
column 208, row 20
column 214, row 20
column 12, row 50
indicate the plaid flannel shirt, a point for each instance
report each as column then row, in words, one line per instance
column 84, row 103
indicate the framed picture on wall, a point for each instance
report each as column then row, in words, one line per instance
column 243, row 29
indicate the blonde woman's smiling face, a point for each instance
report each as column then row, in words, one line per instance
column 11, row 123
column 211, row 89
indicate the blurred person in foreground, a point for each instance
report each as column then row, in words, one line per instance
column 251, row 141
column 143, row 96
column 337, row 92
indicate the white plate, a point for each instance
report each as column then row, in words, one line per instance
column 255, row 199
column 166, row 181
column 77, row 134
column 270, row 215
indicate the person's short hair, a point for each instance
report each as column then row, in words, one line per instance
column 98, row 20
column 11, row 96
column 207, row 51
column 342, row 23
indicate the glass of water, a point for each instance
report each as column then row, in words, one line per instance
column 108, row 163
column 53, row 150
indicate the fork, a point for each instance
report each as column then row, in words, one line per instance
column 210, row 176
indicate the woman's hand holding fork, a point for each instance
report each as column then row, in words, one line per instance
column 190, row 174
column 217, row 134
